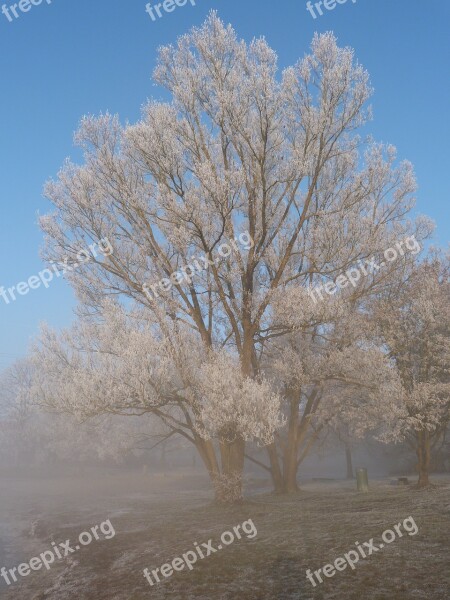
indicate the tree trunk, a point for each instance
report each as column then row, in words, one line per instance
column 285, row 478
column 228, row 486
column 290, row 467
column 291, row 450
column 348, row 458
column 227, row 482
column 423, row 455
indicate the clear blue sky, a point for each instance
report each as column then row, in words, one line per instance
column 71, row 57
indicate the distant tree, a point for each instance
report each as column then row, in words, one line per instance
column 30, row 436
column 16, row 443
column 414, row 326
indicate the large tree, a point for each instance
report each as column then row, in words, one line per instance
column 236, row 149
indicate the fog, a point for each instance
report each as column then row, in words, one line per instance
column 247, row 395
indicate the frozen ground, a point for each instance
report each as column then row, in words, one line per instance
column 155, row 522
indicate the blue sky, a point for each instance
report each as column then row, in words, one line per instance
column 62, row 60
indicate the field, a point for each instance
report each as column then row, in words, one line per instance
column 155, row 522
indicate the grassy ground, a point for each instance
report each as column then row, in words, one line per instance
column 154, row 523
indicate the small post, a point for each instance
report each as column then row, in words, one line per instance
column 362, row 480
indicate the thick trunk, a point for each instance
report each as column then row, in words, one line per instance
column 227, row 480
column 284, row 477
column 232, row 455
column 423, row 455
column 228, row 486
column 348, row 459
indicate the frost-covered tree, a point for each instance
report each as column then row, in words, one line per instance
column 414, row 326
column 332, row 374
column 239, row 150
column 124, row 365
